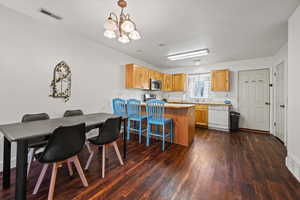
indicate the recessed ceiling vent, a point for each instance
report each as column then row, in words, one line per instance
column 50, row 14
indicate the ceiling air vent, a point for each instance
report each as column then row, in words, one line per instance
column 46, row 12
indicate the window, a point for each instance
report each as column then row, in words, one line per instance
column 199, row 85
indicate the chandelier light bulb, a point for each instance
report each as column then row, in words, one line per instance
column 134, row 35
column 127, row 26
column 123, row 39
column 110, row 24
column 110, row 34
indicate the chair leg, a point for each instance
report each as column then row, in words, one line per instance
column 30, row 158
column 87, row 144
column 148, row 135
column 103, row 161
column 89, row 161
column 70, row 168
column 118, row 152
column 128, row 129
column 80, row 172
column 41, row 178
column 163, row 138
column 53, row 180
column 140, row 132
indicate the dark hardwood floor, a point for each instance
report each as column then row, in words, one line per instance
column 218, row 166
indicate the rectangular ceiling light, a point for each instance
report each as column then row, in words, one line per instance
column 189, row 54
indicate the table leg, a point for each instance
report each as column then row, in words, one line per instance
column 6, row 163
column 21, row 170
column 124, row 139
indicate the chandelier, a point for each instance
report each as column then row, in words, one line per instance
column 123, row 27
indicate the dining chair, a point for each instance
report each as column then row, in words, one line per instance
column 63, row 146
column 134, row 111
column 108, row 134
column 35, row 144
column 119, row 107
column 73, row 113
column 155, row 110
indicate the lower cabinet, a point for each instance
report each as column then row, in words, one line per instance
column 201, row 113
column 218, row 117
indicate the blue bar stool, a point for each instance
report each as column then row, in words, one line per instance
column 135, row 115
column 119, row 107
column 155, row 115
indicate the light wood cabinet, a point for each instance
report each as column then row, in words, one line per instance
column 220, row 80
column 167, row 82
column 201, row 115
column 155, row 75
column 179, row 82
column 137, row 77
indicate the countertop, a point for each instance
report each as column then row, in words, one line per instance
column 200, row 103
column 176, row 105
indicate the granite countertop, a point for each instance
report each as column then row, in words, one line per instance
column 201, row 103
column 176, row 105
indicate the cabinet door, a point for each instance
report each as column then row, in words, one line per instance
column 201, row 113
column 141, row 78
column 220, row 80
column 179, row 82
column 167, row 82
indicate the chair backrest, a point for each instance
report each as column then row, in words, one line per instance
column 119, row 106
column 110, row 131
column 134, row 108
column 35, row 117
column 155, row 110
column 71, row 113
column 64, row 143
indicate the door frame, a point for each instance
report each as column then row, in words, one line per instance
column 284, row 62
column 271, row 94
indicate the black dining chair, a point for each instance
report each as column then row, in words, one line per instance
column 35, row 144
column 63, row 147
column 108, row 134
column 73, row 113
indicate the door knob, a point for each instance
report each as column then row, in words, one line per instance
column 267, row 103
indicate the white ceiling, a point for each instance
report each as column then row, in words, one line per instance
column 231, row 29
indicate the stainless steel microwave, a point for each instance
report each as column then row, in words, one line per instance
column 155, row 84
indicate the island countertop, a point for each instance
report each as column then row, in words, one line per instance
column 176, row 105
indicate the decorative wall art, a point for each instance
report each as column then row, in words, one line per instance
column 61, row 83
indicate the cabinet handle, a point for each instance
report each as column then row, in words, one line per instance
column 282, row 106
column 267, row 103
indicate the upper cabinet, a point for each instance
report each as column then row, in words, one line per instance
column 179, row 82
column 137, row 77
column 220, row 80
column 167, row 82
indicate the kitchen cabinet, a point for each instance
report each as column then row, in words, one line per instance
column 137, row 77
column 201, row 114
column 220, row 80
column 218, row 117
column 155, row 75
column 179, row 82
column 167, row 82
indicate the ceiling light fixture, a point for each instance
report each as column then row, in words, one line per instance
column 123, row 27
column 189, row 54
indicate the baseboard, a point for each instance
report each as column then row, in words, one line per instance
column 293, row 164
column 13, row 164
column 254, row 131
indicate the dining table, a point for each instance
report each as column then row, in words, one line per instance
column 22, row 133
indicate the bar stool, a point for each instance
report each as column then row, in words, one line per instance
column 135, row 115
column 108, row 134
column 63, row 147
column 119, row 107
column 155, row 116
column 36, row 143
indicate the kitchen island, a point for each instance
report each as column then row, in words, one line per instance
column 183, row 116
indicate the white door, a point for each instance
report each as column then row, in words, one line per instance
column 254, row 99
column 279, row 102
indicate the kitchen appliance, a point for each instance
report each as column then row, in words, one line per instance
column 148, row 97
column 155, row 85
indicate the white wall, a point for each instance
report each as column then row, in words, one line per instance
column 29, row 51
column 293, row 159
